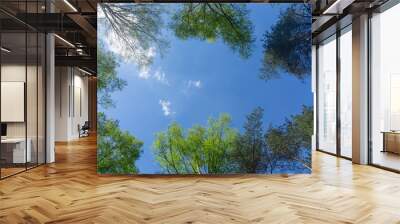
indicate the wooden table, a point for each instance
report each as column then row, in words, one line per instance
column 391, row 141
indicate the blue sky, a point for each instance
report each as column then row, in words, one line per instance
column 196, row 79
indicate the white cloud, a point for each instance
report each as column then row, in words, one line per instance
column 161, row 77
column 151, row 52
column 191, row 84
column 158, row 75
column 194, row 84
column 144, row 72
column 166, row 107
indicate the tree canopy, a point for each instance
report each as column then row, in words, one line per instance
column 219, row 148
column 107, row 78
column 249, row 147
column 199, row 150
column 134, row 31
column 210, row 21
column 287, row 46
column 117, row 150
column 288, row 141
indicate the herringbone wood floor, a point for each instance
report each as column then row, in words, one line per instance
column 70, row 191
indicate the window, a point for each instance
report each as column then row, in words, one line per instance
column 327, row 95
column 385, row 88
column 346, row 92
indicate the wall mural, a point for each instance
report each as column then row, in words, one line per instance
column 204, row 88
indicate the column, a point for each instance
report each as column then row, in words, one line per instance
column 360, row 90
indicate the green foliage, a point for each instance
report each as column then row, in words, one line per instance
column 249, row 147
column 302, row 127
column 210, row 21
column 170, row 149
column 287, row 46
column 276, row 147
column 117, row 150
column 218, row 144
column 286, row 142
column 199, row 150
column 107, row 78
column 218, row 148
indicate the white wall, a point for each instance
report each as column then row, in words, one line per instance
column 80, row 109
column 71, row 94
column 61, row 103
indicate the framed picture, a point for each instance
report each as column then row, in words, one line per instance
column 204, row 88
